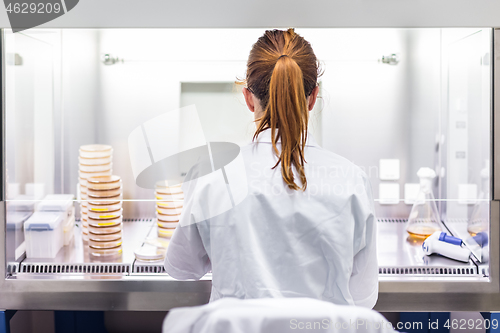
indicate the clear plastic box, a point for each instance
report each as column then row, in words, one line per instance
column 22, row 203
column 57, row 203
column 44, row 234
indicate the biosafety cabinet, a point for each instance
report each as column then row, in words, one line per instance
column 391, row 100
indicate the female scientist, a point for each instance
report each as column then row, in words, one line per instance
column 306, row 227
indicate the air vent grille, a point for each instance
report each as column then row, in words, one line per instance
column 442, row 271
column 149, row 219
column 111, row 268
column 392, row 220
column 12, row 268
column 149, row 269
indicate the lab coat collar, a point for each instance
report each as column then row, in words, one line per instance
column 265, row 136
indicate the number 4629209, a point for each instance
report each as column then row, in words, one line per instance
column 33, row 8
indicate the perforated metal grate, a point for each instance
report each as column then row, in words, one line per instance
column 391, row 220
column 12, row 268
column 148, row 219
column 104, row 268
column 149, row 269
column 443, row 271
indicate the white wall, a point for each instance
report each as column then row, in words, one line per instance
column 81, row 118
column 367, row 111
column 364, row 107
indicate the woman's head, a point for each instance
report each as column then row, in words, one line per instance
column 281, row 80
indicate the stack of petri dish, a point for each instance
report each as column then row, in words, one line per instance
column 94, row 161
column 169, row 202
column 105, row 216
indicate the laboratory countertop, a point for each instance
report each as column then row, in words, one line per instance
column 397, row 252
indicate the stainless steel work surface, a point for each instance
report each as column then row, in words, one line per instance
column 135, row 232
column 397, row 249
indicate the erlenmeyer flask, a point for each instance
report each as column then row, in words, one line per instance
column 424, row 217
column 478, row 221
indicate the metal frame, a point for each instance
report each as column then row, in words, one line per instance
column 154, row 293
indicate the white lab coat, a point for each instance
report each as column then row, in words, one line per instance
column 274, row 315
column 320, row 243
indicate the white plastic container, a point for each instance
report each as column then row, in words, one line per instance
column 44, row 234
column 57, row 203
column 22, row 203
column 15, row 220
column 69, row 230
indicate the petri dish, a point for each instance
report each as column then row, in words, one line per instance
column 104, row 193
column 85, row 223
column 95, row 168
column 104, row 182
column 170, row 204
column 105, row 214
column 105, row 237
column 95, row 151
column 104, row 222
column 86, row 175
column 163, row 186
column 104, row 206
column 107, row 253
column 168, row 210
column 157, row 241
column 95, row 161
column 168, row 218
column 105, row 230
column 165, row 233
column 149, row 253
column 105, row 244
column 85, row 235
column 82, row 182
column 167, row 225
column 107, row 200
column 169, row 197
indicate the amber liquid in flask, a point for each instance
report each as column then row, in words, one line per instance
column 424, row 217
